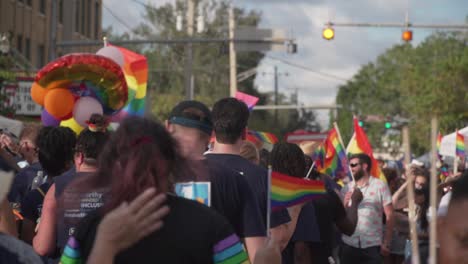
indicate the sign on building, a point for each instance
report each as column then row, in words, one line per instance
column 19, row 97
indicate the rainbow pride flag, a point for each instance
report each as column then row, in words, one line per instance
column 135, row 69
column 439, row 141
column 230, row 251
column 331, row 157
column 287, row 191
column 460, row 145
column 264, row 136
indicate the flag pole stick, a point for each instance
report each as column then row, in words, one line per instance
column 268, row 202
column 342, row 145
column 310, row 170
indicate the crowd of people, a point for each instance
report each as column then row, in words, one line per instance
column 109, row 196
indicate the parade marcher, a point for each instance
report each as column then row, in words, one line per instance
column 27, row 150
column 367, row 245
column 56, row 225
column 230, row 118
column 250, row 152
column 452, row 227
column 55, row 151
column 141, row 154
column 190, row 123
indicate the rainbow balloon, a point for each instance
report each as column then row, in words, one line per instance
column 84, row 75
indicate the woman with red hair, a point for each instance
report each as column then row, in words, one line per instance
column 142, row 155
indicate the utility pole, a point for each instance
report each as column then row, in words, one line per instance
column 232, row 55
column 433, row 190
column 276, row 93
column 53, row 31
column 188, row 69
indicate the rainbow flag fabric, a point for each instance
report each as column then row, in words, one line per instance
column 287, row 191
column 460, row 145
column 331, row 157
column 230, row 251
column 135, row 69
column 439, row 141
column 264, row 136
column 360, row 144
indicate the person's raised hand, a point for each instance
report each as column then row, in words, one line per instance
column 131, row 222
column 356, row 196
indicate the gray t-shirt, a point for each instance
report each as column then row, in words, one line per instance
column 13, row 250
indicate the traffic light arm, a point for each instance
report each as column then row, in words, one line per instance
column 398, row 25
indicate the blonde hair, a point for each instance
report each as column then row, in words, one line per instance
column 250, row 152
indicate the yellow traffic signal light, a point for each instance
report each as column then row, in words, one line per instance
column 328, row 33
column 407, row 35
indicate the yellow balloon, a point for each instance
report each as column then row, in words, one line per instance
column 73, row 125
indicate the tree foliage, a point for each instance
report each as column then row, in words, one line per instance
column 210, row 62
column 413, row 82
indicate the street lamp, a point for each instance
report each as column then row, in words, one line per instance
column 4, row 44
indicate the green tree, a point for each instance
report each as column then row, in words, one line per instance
column 414, row 82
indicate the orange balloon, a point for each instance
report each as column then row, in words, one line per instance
column 38, row 93
column 59, row 102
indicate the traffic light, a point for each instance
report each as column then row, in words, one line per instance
column 407, row 35
column 360, row 123
column 388, row 125
column 328, row 33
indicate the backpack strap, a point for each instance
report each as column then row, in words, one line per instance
column 41, row 191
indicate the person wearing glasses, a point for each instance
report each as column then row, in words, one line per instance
column 368, row 244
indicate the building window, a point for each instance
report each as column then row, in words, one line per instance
column 77, row 16
column 40, row 56
column 42, row 5
column 60, row 12
column 97, row 26
column 27, row 50
column 19, row 43
column 88, row 20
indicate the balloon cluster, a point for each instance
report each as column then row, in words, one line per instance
column 75, row 86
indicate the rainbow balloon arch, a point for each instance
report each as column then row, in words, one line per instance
column 75, row 86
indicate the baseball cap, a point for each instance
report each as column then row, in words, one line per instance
column 192, row 114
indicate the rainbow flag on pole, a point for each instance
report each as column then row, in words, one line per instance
column 360, row 144
column 135, row 69
column 460, row 145
column 438, row 143
column 331, row 157
column 264, row 136
column 287, row 191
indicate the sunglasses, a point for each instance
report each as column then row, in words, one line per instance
column 354, row 164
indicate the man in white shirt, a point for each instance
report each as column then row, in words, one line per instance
column 367, row 244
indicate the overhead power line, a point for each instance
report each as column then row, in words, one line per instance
column 121, row 21
column 321, row 74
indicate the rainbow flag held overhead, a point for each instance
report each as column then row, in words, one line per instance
column 135, row 69
column 331, row 157
column 360, row 144
column 460, row 145
column 438, row 143
column 287, row 191
column 264, row 136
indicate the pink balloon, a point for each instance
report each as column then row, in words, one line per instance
column 84, row 108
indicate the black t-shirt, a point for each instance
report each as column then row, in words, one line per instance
column 232, row 197
column 31, row 207
column 192, row 233
column 257, row 178
column 329, row 209
column 15, row 251
column 22, row 182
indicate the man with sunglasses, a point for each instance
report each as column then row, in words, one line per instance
column 367, row 244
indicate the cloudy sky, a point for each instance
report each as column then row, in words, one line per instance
column 305, row 19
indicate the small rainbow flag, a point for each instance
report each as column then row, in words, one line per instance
column 135, row 69
column 287, row 191
column 439, row 141
column 331, row 157
column 264, row 136
column 460, row 145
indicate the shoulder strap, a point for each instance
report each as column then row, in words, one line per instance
column 40, row 191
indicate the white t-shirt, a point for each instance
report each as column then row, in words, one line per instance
column 369, row 230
